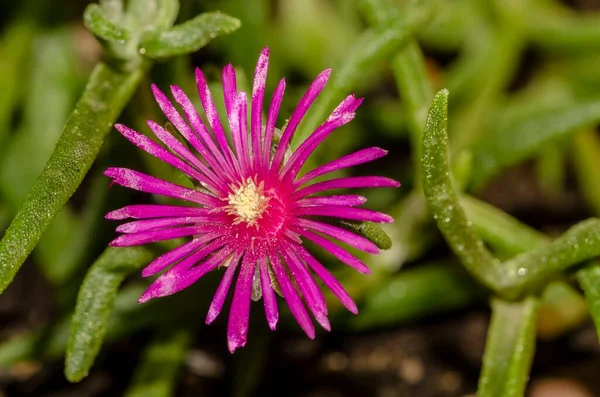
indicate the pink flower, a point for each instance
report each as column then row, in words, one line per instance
column 253, row 209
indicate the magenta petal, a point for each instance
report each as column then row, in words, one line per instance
column 344, row 235
column 336, row 251
column 349, row 200
column 237, row 328
column 180, row 276
column 356, row 158
column 295, row 163
column 212, row 115
column 229, row 90
column 161, row 223
column 309, row 97
column 271, row 120
column 210, row 152
column 258, row 94
column 346, row 183
column 223, row 289
column 268, row 294
column 309, row 288
column 168, row 258
column 291, row 296
column 359, row 214
column 240, row 138
column 129, row 240
column 145, row 183
column 328, row 279
column 182, row 126
column 173, row 144
column 348, row 105
column 142, row 211
column 154, row 149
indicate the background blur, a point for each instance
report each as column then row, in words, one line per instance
column 421, row 330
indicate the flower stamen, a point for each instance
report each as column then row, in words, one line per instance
column 248, row 202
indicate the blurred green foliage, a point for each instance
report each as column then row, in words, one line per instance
column 522, row 97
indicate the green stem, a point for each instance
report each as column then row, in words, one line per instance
column 105, row 95
column 509, row 349
column 529, row 270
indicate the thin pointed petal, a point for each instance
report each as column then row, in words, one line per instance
column 180, row 276
column 211, row 153
column 291, row 296
column 147, row 225
column 356, row 158
column 169, row 258
column 344, row 235
column 309, row 288
column 258, row 94
column 348, row 200
column 307, row 100
column 213, row 116
column 268, row 294
column 144, row 211
column 346, row 183
column 237, row 328
column 130, row 240
column 359, row 214
column 221, row 294
column 336, row 251
column 145, row 183
column 271, row 120
column 331, row 282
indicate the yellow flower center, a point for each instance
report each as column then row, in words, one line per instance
column 247, row 202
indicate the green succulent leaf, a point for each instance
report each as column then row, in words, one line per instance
column 409, row 69
column 105, row 95
column 189, row 36
column 373, row 46
column 513, row 140
column 443, row 199
column 96, row 20
column 509, row 349
column 95, row 305
column 417, row 293
column 14, row 51
column 589, row 279
column 586, row 159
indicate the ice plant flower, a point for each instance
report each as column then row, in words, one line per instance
column 251, row 209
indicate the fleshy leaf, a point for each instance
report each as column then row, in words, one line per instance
column 586, row 159
column 410, row 72
column 189, row 36
column 372, row 46
column 513, row 140
column 369, row 230
column 14, row 49
column 417, row 293
column 105, row 96
column 589, row 279
column 95, row 304
column 509, row 349
column 444, row 201
column 96, row 20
